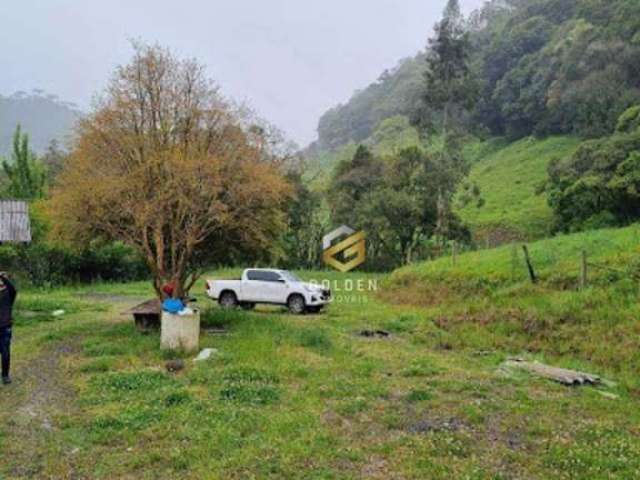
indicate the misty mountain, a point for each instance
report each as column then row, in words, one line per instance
column 43, row 116
column 542, row 67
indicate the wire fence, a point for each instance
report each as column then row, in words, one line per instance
column 530, row 263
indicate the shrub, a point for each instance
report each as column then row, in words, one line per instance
column 599, row 185
column 629, row 120
column 45, row 265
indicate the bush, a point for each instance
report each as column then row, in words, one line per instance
column 629, row 120
column 599, row 185
column 43, row 265
column 112, row 261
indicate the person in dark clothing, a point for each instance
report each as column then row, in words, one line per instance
column 7, row 298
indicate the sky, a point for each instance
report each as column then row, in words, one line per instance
column 291, row 60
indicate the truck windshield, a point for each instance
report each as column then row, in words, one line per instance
column 290, row 277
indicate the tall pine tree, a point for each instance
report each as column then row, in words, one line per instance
column 449, row 94
column 26, row 174
column 449, row 87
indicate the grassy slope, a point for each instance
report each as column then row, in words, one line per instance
column 508, row 178
column 508, row 175
column 486, row 300
column 305, row 397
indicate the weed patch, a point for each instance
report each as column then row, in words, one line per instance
column 122, row 384
column 250, row 386
column 250, row 393
column 402, row 324
column 249, row 375
column 315, row 339
column 223, row 318
column 180, row 397
column 106, row 429
column 98, row 365
column 415, row 396
column 353, row 407
column 420, row 368
column 597, row 453
column 60, row 333
column 100, row 348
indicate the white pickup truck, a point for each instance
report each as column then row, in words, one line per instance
column 275, row 287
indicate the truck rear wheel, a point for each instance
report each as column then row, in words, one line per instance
column 228, row 300
column 296, row 304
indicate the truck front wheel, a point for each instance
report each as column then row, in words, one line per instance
column 296, row 304
column 228, row 300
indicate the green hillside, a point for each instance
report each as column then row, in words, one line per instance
column 509, row 175
column 543, row 67
column 563, row 71
column 510, row 179
column 556, row 261
column 486, row 300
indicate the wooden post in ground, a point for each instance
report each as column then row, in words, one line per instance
column 583, row 270
column 453, row 253
column 532, row 273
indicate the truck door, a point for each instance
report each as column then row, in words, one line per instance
column 276, row 289
column 254, row 286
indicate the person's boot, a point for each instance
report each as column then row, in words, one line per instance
column 6, row 380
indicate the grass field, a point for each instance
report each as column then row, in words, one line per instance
column 509, row 178
column 308, row 397
column 486, row 301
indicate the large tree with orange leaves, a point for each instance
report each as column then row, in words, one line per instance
column 164, row 164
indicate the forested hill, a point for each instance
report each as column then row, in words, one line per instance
column 43, row 117
column 542, row 67
column 394, row 93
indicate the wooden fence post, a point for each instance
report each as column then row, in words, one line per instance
column 583, row 270
column 532, row 273
column 453, row 253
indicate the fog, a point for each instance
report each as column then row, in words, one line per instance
column 290, row 59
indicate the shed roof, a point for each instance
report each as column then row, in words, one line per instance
column 14, row 221
column 148, row 307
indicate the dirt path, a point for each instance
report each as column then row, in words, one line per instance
column 34, row 409
column 30, row 410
